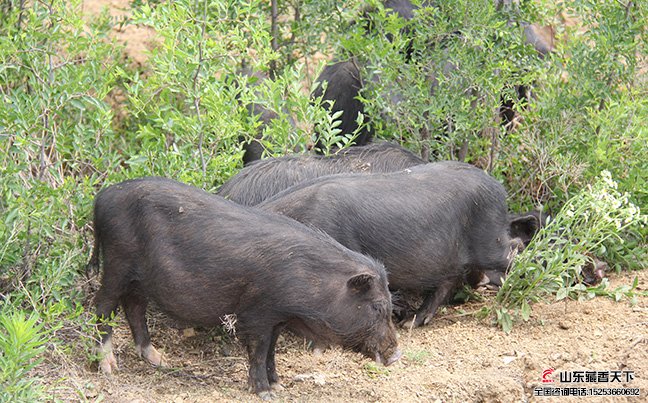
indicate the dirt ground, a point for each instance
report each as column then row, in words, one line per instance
column 137, row 40
column 457, row 358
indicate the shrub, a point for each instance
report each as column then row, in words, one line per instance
column 22, row 342
column 589, row 222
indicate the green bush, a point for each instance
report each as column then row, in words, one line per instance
column 589, row 223
column 56, row 138
column 586, row 113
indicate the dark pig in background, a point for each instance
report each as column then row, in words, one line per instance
column 265, row 178
column 260, row 112
column 343, row 85
column 347, row 79
column 405, row 9
column 253, row 148
column 434, row 226
column 542, row 38
column 201, row 258
column 344, row 79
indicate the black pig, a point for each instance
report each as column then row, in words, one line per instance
column 201, row 258
column 344, row 79
column 342, row 89
column 263, row 179
column 252, row 147
column 542, row 38
column 434, row 226
column 524, row 226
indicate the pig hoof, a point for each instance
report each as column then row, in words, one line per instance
column 318, row 348
column 407, row 323
column 266, row 395
column 152, row 355
column 276, row 387
column 108, row 363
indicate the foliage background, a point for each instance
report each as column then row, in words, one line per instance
column 64, row 135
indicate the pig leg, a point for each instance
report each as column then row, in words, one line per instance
column 271, row 368
column 106, row 303
column 430, row 305
column 134, row 306
column 258, row 349
column 432, row 302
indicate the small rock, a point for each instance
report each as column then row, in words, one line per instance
column 563, row 325
column 317, row 379
column 266, row 395
column 188, row 332
column 508, row 359
column 226, row 350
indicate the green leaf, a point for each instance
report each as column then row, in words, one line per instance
column 77, row 104
column 525, row 310
column 563, row 292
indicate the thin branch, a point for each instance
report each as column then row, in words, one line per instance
column 41, row 168
column 274, row 33
column 292, row 35
column 425, row 143
column 20, row 15
column 26, row 271
column 50, row 81
column 196, row 98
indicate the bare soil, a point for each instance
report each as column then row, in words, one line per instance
column 456, row 358
column 137, row 40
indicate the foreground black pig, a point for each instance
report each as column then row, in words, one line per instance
column 434, row 226
column 263, row 179
column 201, row 258
column 523, row 227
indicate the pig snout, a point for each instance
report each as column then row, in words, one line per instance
column 389, row 361
column 484, row 280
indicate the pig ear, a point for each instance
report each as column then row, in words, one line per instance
column 524, row 227
column 361, row 282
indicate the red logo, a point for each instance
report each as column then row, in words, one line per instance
column 546, row 374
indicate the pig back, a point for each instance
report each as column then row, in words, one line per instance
column 426, row 224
